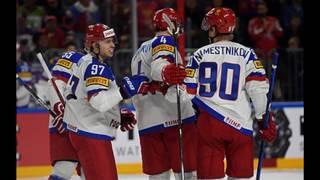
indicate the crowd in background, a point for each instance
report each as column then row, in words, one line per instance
column 55, row 26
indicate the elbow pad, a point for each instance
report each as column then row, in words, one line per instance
column 105, row 100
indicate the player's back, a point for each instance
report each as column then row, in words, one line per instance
column 153, row 110
column 222, row 72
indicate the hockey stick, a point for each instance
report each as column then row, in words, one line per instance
column 36, row 97
column 174, row 32
column 46, row 69
column 266, row 119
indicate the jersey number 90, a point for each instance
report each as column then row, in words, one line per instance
column 208, row 80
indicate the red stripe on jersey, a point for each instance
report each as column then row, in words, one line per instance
column 256, row 78
column 62, row 78
column 192, row 90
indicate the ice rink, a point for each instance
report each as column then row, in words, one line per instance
column 268, row 174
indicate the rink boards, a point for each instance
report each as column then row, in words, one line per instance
column 33, row 160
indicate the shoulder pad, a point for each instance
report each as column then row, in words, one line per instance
column 99, row 69
column 73, row 56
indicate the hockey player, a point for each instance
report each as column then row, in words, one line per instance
column 153, row 70
column 92, row 114
column 224, row 76
column 63, row 156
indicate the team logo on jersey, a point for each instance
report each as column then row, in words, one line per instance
column 65, row 63
column 162, row 47
column 190, row 72
column 97, row 80
column 258, row 64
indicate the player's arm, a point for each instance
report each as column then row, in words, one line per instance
column 163, row 66
column 257, row 84
column 102, row 90
column 189, row 88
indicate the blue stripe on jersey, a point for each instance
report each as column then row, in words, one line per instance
column 252, row 56
column 89, row 134
column 161, row 126
column 256, row 74
column 193, row 63
column 191, row 85
column 98, row 69
column 60, row 73
column 219, row 116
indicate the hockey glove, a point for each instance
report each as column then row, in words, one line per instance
column 268, row 134
column 127, row 120
column 158, row 86
column 136, row 84
column 172, row 74
column 57, row 122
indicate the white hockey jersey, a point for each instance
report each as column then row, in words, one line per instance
column 224, row 76
column 154, row 112
column 61, row 72
column 91, row 77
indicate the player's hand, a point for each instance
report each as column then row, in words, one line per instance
column 57, row 122
column 268, row 134
column 127, row 120
column 172, row 74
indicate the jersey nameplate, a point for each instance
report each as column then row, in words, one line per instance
column 162, row 47
column 97, row 80
column 64, row 63
column 258, row 64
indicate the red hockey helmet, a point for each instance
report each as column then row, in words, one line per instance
column 160, row 24
column 223, row 19
column 98, row 32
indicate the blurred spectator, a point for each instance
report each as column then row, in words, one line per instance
column 41, row 85
column 294, row 42
column 55, row 8
column 33, row 14
column 146, row 9
column 294, row 30
column 264, row 31
column 54, row 32
column 41, row 40
column 245, row 10
column 84, row 12
column 23, row 70
column 294, row 8
column 70, row 46
column 192, row 25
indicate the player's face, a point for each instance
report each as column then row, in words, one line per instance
column 107, row 47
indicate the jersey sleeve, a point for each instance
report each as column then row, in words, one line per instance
column 97, row 77
column 191, row 81
column 257, row 84
column 62, row 70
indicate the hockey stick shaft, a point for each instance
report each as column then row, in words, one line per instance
column 266, row 120
column 174, row 32
column 36, row 97
column 47, row 71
